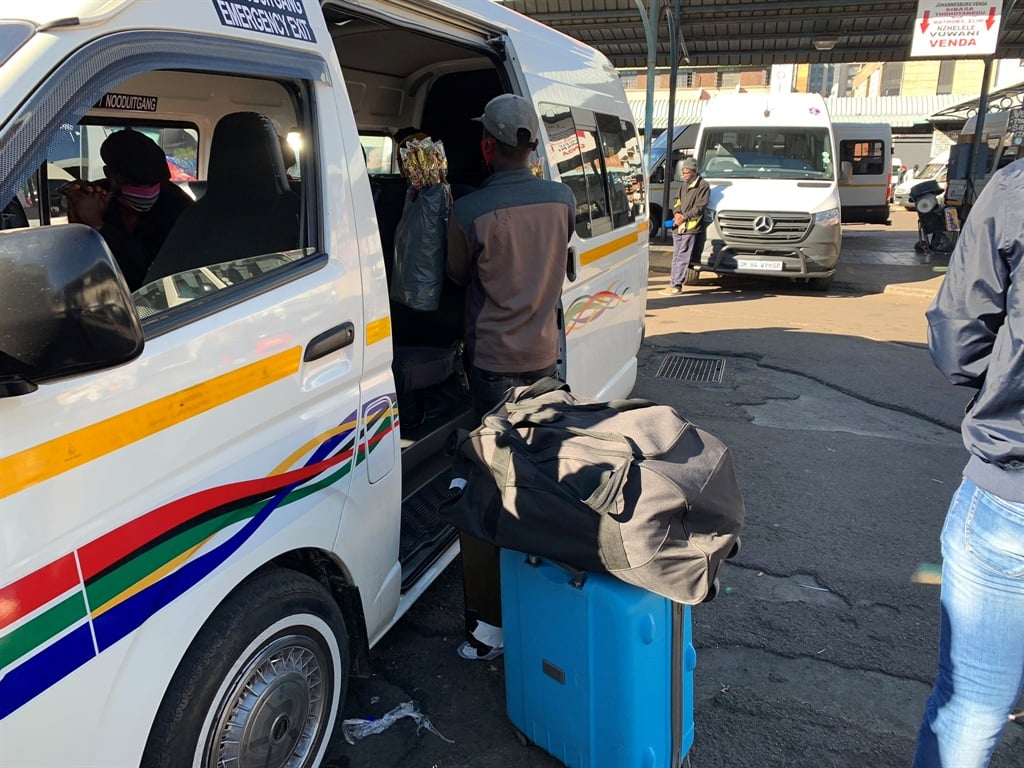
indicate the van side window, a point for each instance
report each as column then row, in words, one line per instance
column 866, row 157
column 622, row 161
column 228, row 207
column 598, row 157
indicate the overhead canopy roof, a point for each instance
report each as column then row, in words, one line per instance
column 720, row 33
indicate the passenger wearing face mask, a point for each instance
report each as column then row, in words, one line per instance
column 134, row 207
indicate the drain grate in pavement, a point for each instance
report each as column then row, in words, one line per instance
column 707, row 370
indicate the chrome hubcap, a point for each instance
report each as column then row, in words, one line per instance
column 275, row 710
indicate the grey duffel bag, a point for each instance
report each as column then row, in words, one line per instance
column 626, row 487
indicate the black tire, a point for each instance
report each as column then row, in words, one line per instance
column 655, row 222
column 821, row 283
column 692, row 277
column 246, row 691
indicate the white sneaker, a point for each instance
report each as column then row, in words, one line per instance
column 469, row 651
column 487, row 635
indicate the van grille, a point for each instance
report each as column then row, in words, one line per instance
column 739, row 226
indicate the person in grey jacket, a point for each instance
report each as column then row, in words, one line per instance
column 976, row 338
column 507, row 243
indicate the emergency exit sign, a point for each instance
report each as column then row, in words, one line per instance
column 956, row 28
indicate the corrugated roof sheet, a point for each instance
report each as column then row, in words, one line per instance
column 746, row 33
column 898, row 111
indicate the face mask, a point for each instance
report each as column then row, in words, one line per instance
column 139, row 198
column 487, row 149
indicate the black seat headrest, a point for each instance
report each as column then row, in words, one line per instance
column 245, row 157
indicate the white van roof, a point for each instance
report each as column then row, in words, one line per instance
column 776, row 109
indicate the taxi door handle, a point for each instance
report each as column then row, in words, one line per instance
column 338, row 337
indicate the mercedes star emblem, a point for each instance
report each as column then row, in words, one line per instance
column 764, row 224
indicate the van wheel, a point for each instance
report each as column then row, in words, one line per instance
column 655, row 222
column 692, row 277
column 821, row 283
column 262, row 684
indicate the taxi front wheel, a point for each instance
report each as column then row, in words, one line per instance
column 262, row 684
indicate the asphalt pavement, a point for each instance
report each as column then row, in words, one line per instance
column 820, row 649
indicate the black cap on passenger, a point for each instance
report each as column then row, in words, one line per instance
column 135, row 156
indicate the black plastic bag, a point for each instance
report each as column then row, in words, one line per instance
column 421, row 246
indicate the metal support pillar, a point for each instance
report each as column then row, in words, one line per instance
column 670, row 176
column 649, row 17
column 974, row 161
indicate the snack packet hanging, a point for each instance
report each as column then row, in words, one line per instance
column 425, row 162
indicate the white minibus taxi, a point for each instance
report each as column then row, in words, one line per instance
column 774, row 210
column 865, row 152
column 214, row 497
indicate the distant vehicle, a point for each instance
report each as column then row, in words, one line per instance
column 998, row 151
column 865, row 150
column 774, row 211
column 896, row 176
column 936, row 169
column 682, row 147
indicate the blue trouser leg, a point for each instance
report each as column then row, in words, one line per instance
column 981, row 640
column 682, row 247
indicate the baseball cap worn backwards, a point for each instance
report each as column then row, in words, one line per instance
column 506, row 116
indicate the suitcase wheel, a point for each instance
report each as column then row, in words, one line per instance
column 737, row 545
column 521, row 738
column 712, row 591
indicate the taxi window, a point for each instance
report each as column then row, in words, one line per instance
column 213, row 217
column 74, row 155
column 598, row 157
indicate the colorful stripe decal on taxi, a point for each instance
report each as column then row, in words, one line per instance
column 378, row 330
column 589, row 257
column 42, row 462
column 58, row 618
column 586, row 309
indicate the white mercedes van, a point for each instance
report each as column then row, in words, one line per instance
column 772, row 164
column 214, row 499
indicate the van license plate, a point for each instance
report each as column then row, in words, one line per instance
column 762, row 266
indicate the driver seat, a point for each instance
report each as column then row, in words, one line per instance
column 249, row 207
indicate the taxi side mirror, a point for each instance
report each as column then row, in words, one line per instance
column 67, row 309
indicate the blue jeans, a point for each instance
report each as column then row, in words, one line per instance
column 981, row 639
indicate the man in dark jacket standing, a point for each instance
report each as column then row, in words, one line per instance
column 688, row 220
column 507, row 242
column 976, row 338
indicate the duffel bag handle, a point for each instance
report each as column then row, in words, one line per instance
column 602, row 500
column 520, row 412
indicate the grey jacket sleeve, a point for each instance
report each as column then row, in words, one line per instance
column 970, row 306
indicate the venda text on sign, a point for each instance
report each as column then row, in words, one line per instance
column 956, row 28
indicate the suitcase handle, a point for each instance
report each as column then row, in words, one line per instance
column 576, row 577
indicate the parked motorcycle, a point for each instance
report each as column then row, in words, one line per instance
column 937, row 225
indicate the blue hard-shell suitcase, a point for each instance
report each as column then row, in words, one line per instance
column 599, row 673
